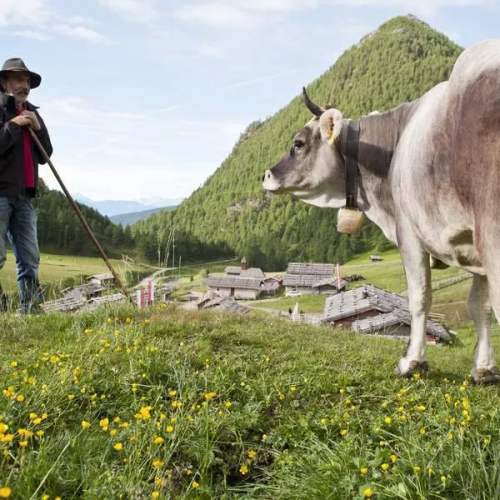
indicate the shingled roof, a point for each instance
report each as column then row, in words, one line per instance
column 394, row 309
column 253, row 272
column 311, row 269
column 234, row 282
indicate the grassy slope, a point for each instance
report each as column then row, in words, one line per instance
column 264, row 409
column 57, row 267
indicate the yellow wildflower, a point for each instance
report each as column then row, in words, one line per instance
column 155, row 494
column 158, row 440
column 172, row 393
column 416, row 469
column 40, row 433
column 343, row 432
column 157, row 463
column 23, row 444
column 387, row 420
column 363, row 470
column 368, row 493
column 384, row 466
column 393, row 458
column 118, row 446
column 169, row 429
column 20, row 398
column 251, row 453
column 195, row 484
column 86, row 424
column 5, row 492
column 71, row 397
column 210, row 395
column 244, row 469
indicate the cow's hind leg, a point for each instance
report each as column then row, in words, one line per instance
column 418, row 275
column 485, row 369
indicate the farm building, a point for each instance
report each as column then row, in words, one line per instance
column 371, row 310
column 234, row 286
column 214, row 300
column 83, row 292
column 310, row 279
column 105, row 279
column 243, row 271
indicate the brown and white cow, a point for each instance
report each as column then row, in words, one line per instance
column 429, row 176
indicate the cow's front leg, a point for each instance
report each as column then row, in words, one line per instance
column 485, row 369
column 418, row 276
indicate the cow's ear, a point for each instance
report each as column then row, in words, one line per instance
column 330, row 124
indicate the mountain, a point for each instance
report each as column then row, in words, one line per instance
column 133, row 217
column 118, row 207
column 398, row 62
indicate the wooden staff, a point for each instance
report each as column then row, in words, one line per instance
column 79, row 214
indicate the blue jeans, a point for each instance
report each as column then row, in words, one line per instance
column 18, row 223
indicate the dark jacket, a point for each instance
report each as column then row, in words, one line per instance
column 12, row 150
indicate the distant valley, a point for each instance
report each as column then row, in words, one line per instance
column 111, row 208
column 127, row 219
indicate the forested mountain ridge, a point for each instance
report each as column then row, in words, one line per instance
column 231, row 213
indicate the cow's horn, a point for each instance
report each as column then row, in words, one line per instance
column 313, row 108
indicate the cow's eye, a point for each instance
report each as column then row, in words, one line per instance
column 298, row 144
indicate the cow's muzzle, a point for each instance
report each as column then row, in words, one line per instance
column 269, row 182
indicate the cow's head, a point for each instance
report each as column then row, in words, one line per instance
column 313, row 170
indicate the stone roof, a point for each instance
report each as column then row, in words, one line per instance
column 213, row 300
column 94, row 303
column 67, row 304
column 312, row 269
column 234, row 282
column 388, row 309
column 102, row 277
column 253, row 272
column 330, row 281
column 87, row 289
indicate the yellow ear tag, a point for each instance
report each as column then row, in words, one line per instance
column 332, row 139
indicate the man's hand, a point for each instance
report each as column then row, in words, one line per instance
column 22, row 121
column 35, row 124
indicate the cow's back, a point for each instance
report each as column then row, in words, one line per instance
column 474, row 122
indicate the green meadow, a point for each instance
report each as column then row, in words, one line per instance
column 160, row 403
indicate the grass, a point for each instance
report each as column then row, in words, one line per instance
column 162, row 404
column 307, row 303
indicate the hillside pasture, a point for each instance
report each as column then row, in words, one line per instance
column 163, row 404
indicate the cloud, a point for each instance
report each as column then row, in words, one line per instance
column 218, row 14
column 143, row 11
column 24, row 12
column 82, row 32
column 35, row 35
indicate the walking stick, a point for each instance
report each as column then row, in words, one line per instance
column 79, row 214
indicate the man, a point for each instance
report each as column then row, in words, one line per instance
column 19, row 160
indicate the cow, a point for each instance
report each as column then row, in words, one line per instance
column 428, row 174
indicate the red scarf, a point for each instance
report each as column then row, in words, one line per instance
column 29, row 172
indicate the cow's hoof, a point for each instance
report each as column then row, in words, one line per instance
column 407, row 368
column 484, row 375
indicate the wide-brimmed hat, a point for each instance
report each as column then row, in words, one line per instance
column 17, row 64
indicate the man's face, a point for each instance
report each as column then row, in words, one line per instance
column 17, row 84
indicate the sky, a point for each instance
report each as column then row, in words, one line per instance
column 146, row 98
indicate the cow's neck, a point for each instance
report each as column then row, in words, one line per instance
column 379, row 136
